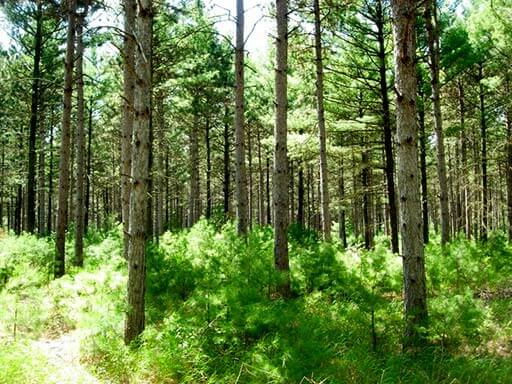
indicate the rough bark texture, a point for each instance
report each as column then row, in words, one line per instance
column 240, row 173
column 130, row 8
column 62, row 212
column 139, row 175
column 280, row 179
column 31, row 191
column 80, row 142
column 433, row 49
column 415, row 298
column 324, row 177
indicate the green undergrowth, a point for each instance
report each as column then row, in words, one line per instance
column 213, row 315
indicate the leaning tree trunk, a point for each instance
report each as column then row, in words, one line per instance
column 324, row 178
column 80, row 143
column 415, row 296
column 240, row 174
column 280, row 179
column 134, row 324
column 432, row 26
column 130, row 8
column 62, row 212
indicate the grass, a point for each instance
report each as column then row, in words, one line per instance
column 213, row 317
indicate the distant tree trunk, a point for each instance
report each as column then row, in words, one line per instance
column 386, row 125
column 49, row 217
column 62, row 213
column 80, row 142
column 269, row 211
column 432, row 27
column 300, row 196
column 41, row 223
column 130, row 9
column 261, row 198
column 241, row 180
column 160, row 153
column 280, row 179
column 509, row 170
column 342, row 229
column 483, row 132
column 250, row 194
column 208, row 170
column 324, row 178
column 194, row 170
column 423, row 166
column 415, row 297
column 89, row 172
column 134, row 324
column 2, row 184
column 36, row 77
column 225, row 185
column 366, row 183
column 466, row 215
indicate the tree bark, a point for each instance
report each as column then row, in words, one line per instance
column 130, row 9
column 134, row 324
column 41, row 222
column 89, row 171
column 280, row 179
column 415, row 297
column 324, row 176
column 225, row 186
column 80, row 142
column 208, row 170
column 423, row 167
column 240, row 173
column 31, row 194
column 62, row 212
column 432, row 27
column 342, row 229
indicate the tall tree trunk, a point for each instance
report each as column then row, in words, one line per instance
column 324, row 177
column 49, row 217
column 509, row 171
column 432, row 27
column 483, row 132
column 62, row 213
column 466, row 212
column 134, row 324
column 342, row 229
column 161, row 154
column 130, row 9
column 415, row 295
column 423, row 166
column 31, row 194
column 225, row 186
column 2, row 184
column 300, row 196
column 208, row 170
column 194, row 170
column 269, row 211
column 41, row 223
column 89, row 172
column 80, row 142
column 388, row 133
column 261, row 198
column 280, row 179
column 241, row 180
column 367, row 216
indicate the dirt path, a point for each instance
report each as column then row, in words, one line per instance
column 64, row 354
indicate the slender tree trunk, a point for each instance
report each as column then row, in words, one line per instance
column 62, row 213
column 226, row 161
column 415, row 296
column 261, row 198
column 41, row 223
column 80, row 142
column 31, row 180
column 89, row 172
column 250, row 194
column 50, row 183
column 2, row 184
column 483, row 132
column 342, row 219
column 388, row 133
column 161, row 154
column 509, row 171
column 194, row 170
column 324, row 178
column 134, row 324
column 208, row 170
column 423, row 166
column 269, row 213
column 300, row 196
column 432, row 27
column 368, row 238
column 280, row 179
column 241, row 180
column 130, row 9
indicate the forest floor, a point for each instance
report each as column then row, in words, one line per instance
column 63, row 353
